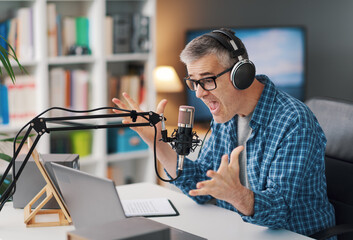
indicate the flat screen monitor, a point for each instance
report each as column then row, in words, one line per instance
column 278, row 52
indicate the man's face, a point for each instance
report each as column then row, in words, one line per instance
column 224, row 101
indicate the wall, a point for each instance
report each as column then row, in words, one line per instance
column 328, row 24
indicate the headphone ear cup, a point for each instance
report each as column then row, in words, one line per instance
column 243, row 74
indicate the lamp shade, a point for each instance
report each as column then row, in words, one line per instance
column 166, row 79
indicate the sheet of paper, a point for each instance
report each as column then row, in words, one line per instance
column 149, row 207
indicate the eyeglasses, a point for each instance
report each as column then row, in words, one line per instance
column 207, row 83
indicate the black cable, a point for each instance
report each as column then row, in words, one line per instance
column 42, row 113
column 204, row 138
column 7, row 195
column 155, row 160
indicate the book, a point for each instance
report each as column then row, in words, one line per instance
column 22, row 98
column 25, row 45
column 108, row 35
column 12, row 35
column 130, row 84
column 151, row 207
column 52, row 30
column 4, row 105
column 68, row 34
column 59, row 35
column 79, row 89
column 4, row 30
column 58, row 88
column 68, row 89
column 113, row 90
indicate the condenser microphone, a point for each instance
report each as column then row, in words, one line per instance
column 184, row 141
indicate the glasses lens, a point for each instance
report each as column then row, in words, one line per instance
column 191, row 84
column 208, row 83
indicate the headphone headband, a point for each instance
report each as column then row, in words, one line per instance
column 243, row 72
column 233, row 45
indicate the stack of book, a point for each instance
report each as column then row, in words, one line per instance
column 65, row 33
column 18, row 31
column 21, row 99
column 131, row 84
column 68, row 89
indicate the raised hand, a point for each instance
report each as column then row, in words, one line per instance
column 146, row 133
column 225, row 184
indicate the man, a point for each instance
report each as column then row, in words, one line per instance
column 265, row 156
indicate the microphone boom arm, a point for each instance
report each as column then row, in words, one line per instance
column 39, row 124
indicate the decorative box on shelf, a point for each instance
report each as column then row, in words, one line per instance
column 122, row 140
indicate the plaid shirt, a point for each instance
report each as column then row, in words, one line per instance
column 285, row 164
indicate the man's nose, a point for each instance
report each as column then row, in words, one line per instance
column 200, row 92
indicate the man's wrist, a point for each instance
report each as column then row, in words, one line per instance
column 243, row 201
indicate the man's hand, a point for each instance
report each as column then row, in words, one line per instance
column 146, row 133
column 225, row 184
column 165, row 154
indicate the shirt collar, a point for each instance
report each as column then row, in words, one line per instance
column 262, row 111
column 261, row 114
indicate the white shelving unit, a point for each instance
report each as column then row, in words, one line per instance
column 97, row 64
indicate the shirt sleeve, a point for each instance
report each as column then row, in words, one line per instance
column 195, row 171
column 293, row 160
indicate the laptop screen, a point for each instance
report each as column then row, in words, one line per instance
column 90, row 200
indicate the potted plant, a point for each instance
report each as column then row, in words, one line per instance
column 5, row 55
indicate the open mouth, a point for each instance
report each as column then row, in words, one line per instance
column 213, row 106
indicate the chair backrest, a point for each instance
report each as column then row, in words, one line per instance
column 336, row 119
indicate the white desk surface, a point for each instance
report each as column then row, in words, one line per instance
column 208, row 221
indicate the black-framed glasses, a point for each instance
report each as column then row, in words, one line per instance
column 207, row 83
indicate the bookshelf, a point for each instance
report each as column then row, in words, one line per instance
column 102, row 63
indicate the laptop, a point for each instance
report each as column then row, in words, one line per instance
column 91, row 200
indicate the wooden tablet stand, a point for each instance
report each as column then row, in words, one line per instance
column 50, row 191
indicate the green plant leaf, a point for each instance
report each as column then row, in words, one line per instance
column 6, row 62
column 13, row 55
column 4, row 58
column 5, row 157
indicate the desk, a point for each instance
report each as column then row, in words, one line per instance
column 208, row 221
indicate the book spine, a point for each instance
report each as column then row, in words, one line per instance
column 4, row 105
column 80, row 81
column 68, row 34
column 52, row 30
column 25, row 34
column 12, row 36
column 108, row 35
column 59, row 35
column 21, row 97
column 58, row 87
column 4, row 29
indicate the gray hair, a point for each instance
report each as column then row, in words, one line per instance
column 205, row 45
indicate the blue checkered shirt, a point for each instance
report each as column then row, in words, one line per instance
column 285, row 164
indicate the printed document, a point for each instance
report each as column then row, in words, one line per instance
column 152, row 207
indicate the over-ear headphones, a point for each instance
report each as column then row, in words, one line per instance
column 243, row 71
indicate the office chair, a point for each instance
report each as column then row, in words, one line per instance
column 336, row 119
